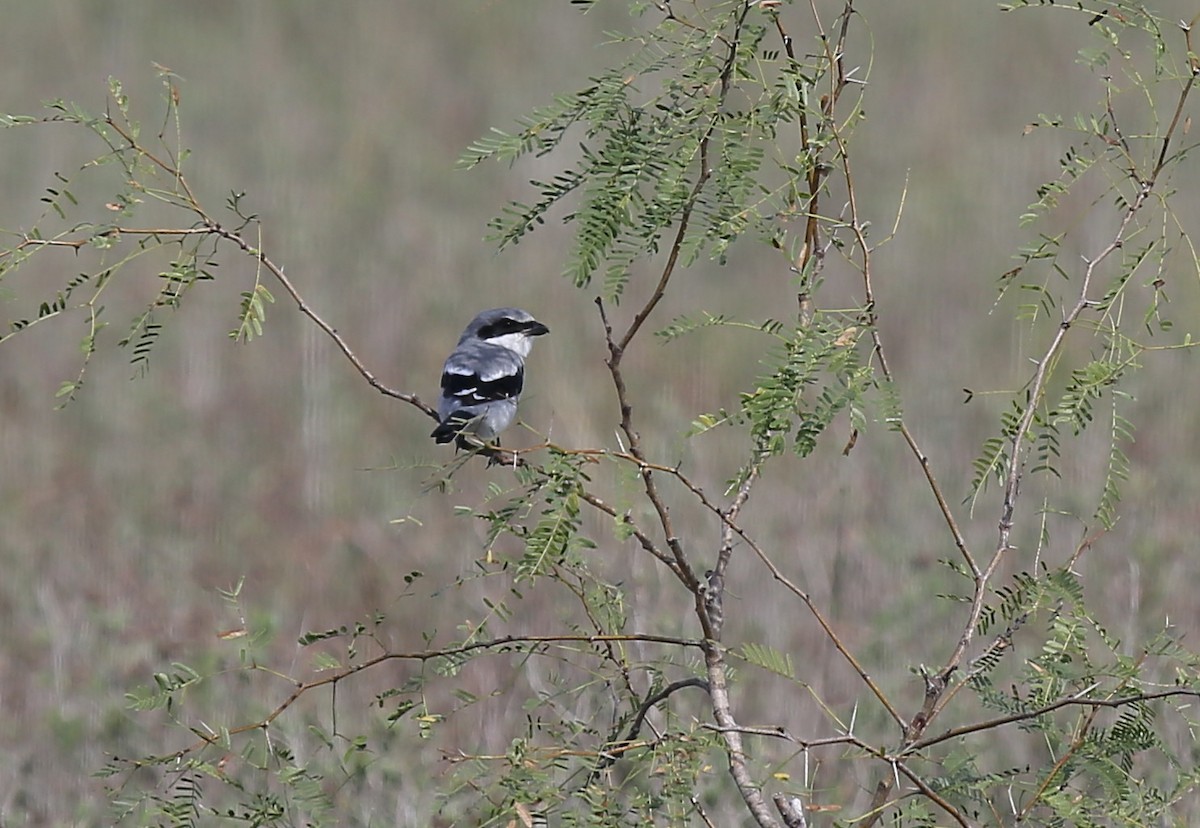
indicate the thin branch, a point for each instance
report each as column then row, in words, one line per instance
column 111, row 232
column 627, row 522
column 775, row 571
column 714, row 594
column 1035, row 391
column 931, row 794
column 316, row 318
column 612, row 746
column 701, row 812
column 1074, row 701
column 778, row 732
column 730, row 516
column 170, row 169
column 212, row 226
column 982, row 662
column 513, row 641
column 702, row 176
column 1037, row 385
column 1076, row 743
column 1183, row 95
column 685, row 572
column 860, row 240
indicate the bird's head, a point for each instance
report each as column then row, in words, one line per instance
column 510, row 328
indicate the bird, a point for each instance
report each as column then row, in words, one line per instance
column 483, row 377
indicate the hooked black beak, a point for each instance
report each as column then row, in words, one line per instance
column 536, row 329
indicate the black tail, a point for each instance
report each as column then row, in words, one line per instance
column 453, row 426
column 447, row 431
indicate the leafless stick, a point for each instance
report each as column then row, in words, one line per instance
column 685, row 571
column 607, row 757
column 303, row 687
column 730, row 516
column 777, row 732
column 627, row 521
column 316, row 318
column 1073, row 701
column 1035, row 391
column 932, row 795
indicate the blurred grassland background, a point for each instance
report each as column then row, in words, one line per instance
column 122, row 515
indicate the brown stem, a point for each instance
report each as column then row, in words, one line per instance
column 303, row 687
column 316, row 318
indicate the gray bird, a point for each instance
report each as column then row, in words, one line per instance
column 483, row 377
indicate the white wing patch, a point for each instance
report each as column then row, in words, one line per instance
column 491, row 373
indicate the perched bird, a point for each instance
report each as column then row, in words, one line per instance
column 483, row 377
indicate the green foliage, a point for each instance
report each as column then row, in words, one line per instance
column 769, row 659
column 815, row 376
column 664, row 152
column 134, row 179
column 709, row 130
column 253, row 315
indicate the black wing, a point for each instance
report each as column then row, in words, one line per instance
column 473, row 389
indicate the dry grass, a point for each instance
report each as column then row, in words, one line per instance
column 121, row 516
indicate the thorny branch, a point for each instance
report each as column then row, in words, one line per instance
column 210, row 226
column 1081, row 700
column 306, row 309
column 646, row 542
column 502, row 644
column 856, row 225
column 707, row 593
column 708, row 589
column 729, row 524
column 937, row 685
column 613, row 746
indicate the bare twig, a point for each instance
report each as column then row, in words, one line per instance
column 931, row 794
column 607, row 757
column 777, row 732
column 771, row 566
column 1073, row 701
column 714, row 595
column 502, row 644
column 210, row 225
column 627, row 521
column 683, row 568
column 306, row 309
column 1018, row 448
